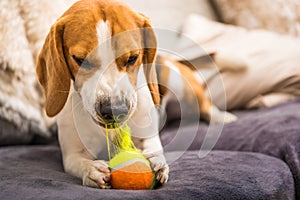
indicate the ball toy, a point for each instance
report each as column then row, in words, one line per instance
column 130, row 170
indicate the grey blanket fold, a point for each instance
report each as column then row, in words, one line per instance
column 272, row 131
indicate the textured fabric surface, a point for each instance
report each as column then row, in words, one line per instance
column 24, row 25
column 35, row 172
column 271, row 131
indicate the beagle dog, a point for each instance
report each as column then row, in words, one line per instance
column 97, row 67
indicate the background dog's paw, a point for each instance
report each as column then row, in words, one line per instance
column 221, row 117
column 97, row 175
column 160, row 167
column 228, row 117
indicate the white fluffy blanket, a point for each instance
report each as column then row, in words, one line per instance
column 24, row 25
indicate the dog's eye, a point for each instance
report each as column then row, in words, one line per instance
column 82, row 62
column 131, row 60
column 79, row 61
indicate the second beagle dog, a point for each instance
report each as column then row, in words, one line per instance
column 97, row 66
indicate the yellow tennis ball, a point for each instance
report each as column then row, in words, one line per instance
column 131, row 171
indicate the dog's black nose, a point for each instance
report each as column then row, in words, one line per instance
column 112, row 113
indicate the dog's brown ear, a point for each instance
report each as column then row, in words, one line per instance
column 52, row 70
column 150, row 45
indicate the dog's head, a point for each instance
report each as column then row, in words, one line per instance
column 101, row 46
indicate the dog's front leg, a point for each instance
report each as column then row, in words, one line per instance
column 153, row 150
column 77, row 160
column 145, row 128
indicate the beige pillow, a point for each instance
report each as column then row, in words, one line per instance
column 273, row 63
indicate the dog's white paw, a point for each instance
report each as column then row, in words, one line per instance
column 96, row 174
column 221, row 117
column 160, row 167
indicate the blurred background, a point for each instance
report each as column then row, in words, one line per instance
column 282, row 16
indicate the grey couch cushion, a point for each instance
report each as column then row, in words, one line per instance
column 35, row 172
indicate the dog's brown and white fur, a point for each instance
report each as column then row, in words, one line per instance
column 87, row 65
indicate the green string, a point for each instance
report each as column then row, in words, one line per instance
column 122, row 139
column 107, row 141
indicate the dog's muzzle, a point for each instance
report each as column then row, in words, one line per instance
column 111, row 113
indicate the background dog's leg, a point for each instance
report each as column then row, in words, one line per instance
column 187, row 87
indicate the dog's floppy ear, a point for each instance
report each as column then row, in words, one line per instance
column 52, row 70
column 150, row 45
